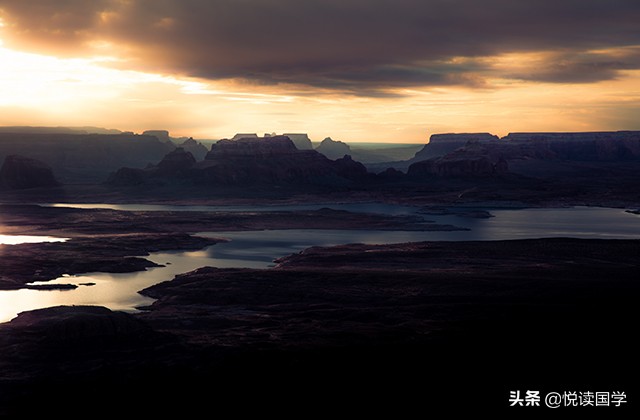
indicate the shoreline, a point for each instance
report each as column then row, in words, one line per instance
column 454, row 316
column 114, row 240
column 322, row 316
column 108, row 240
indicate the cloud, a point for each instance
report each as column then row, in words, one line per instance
column 365, row 47
column 573, row 67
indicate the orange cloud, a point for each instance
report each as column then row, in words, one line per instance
column 381, row 70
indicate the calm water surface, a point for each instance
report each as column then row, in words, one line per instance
column 257, row 249
column 24, row 239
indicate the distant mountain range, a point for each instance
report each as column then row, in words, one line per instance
column 366, row 153
column 90, row 154
column 270, row 160
column 521, row 153
column 608, row 160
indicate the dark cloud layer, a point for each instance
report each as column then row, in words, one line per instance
column 572, row 67
column 360, row 46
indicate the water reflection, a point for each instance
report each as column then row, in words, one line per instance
column 117, row 291
column 391, row 209
column 23, row 239
column 257, row 249
column 578, row 222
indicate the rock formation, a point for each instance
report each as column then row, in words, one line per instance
column 198, row 150
column 442, row 144
column 529, row 152
column 127, row 177
column 595, row 146
column 391, row 175
column 333, row 149
column 86, row 158
column 176, row 162
column 348, row 168
column 248, row 161
column 302, row 141
column 19, row 172
column 247, row 147
column 472, row 160
column 273, row 160
column 162, row 135
column 239, row 136
column 439, row 145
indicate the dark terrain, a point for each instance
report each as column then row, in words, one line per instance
column 346, row 325
column 369, row 329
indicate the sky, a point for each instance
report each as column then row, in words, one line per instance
column 355, row 70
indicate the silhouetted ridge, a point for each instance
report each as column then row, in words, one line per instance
column 85, row 158
column 442, row 144
column 239, row 136
column 195, row 148
column 302, row 141
column 333, row 149
column 473, row 160
column 251, row 147
column 162, row 135
column 176, row 161
column 349, row 168
column 270, row 160
column 591, row 146
column 19, row 172
column 527, row 152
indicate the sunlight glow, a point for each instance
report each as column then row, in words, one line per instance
column 37, row 89
column 35, row 80
column 22, row 239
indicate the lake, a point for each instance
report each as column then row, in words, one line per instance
column 24, row 239
column 258, row 249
